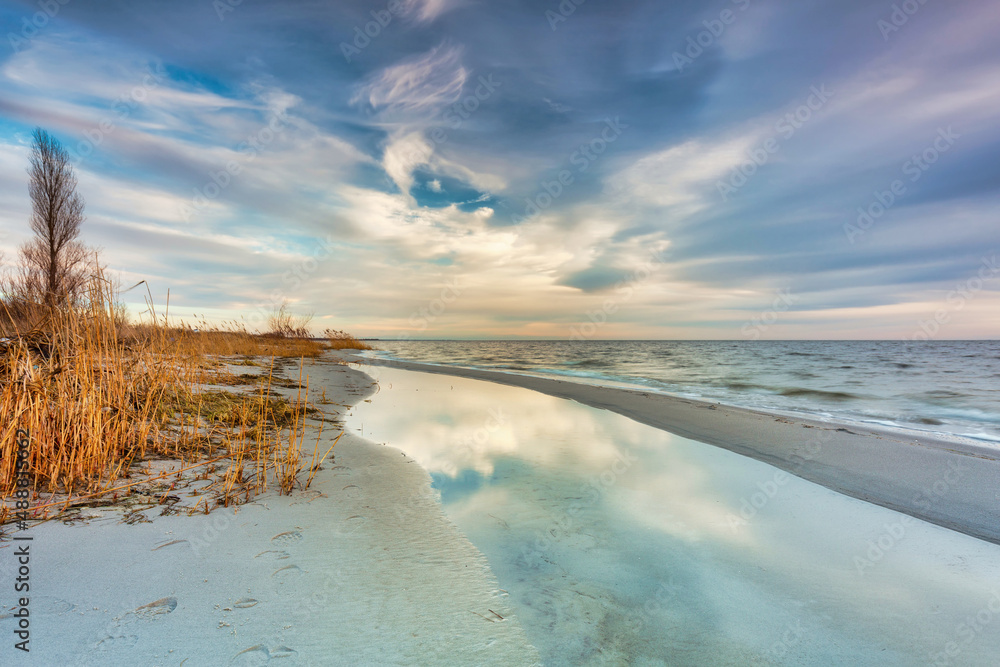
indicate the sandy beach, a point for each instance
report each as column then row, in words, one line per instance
column 952, row 483
column 363, row 568
column 366, row 568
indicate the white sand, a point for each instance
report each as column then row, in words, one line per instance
column 361, row 569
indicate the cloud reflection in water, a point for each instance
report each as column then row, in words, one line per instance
column 621, row 543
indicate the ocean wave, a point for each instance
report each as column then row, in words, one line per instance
column 930, row 388
column 820, row 393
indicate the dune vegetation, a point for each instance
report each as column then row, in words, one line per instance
column 91, row 399
column 101, row 397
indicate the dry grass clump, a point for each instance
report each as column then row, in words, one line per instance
column 237, row 341
column 227, row 408
column 340, row 340
column 99, row 395
column 86, row 398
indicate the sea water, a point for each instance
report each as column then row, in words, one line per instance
column 621, row 544
column 937, row 387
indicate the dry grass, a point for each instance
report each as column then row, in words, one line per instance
column 99, row 396
column 340, row 340
column 235, row 340
column 86, row 398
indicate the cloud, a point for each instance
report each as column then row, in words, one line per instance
column 405, row 99
column 402, row 155
column 682, row 178
column 426, row 11
column 419, row 87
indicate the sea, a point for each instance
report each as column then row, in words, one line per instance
column 949, row 388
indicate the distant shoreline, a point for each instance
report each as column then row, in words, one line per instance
column 946, row 482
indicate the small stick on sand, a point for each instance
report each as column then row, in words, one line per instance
column 485, row 618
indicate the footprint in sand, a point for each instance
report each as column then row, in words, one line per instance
column 273, row 554
column 117, row 641
column 309, row 496
column 261, row 655
column 352, row 490
column 51, row 605
column 154, row 609
column 121, row 630
column 350, row 525
column 287, row 573
column 255, row 655
column 287, row 537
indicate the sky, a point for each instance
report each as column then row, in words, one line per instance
column 733, row 169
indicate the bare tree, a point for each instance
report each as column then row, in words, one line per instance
column 53, row 262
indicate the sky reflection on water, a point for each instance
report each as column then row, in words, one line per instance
column 623, row 544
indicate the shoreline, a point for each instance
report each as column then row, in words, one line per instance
column 948, row 483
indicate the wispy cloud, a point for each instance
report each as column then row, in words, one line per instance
column 416, row 88
column 426, row 11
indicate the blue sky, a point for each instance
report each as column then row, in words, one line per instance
column 735, row 169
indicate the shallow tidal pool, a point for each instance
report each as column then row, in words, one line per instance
column 623, row 544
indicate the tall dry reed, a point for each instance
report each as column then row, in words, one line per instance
column 98, row 395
